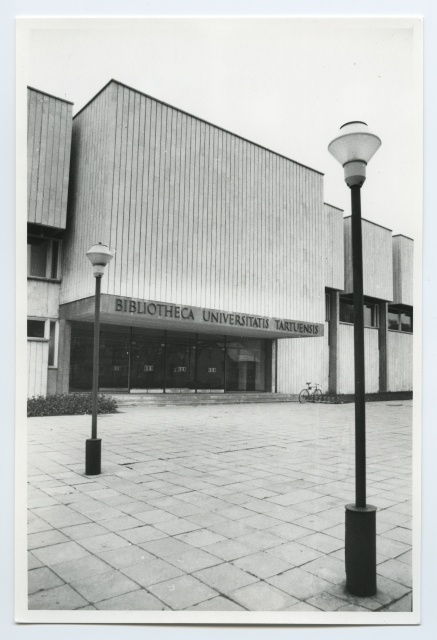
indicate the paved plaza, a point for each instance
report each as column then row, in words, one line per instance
column 215, row 508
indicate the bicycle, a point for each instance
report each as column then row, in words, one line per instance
column 306, row 396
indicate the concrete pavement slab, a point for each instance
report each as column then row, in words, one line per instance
column 252, row 498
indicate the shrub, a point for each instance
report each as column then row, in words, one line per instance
column 68, row 404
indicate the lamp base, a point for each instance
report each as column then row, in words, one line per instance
column 93, row 456
column 360, row 550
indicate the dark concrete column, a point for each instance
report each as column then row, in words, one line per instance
column 333, row 341
column 63, row 379
column 383, row 347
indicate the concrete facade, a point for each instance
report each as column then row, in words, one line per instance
column 220, row 245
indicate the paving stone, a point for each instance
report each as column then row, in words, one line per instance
column 396, row 571
column 262, row 565
column 126, row 556
column 152, row 572
column 139, row 600
column 36, row 525
column 45, row 539
column 60, row 553
column 103, row 587
column 262, row 597
column 322, row 542
column 390, row 548
column 400, row 534
column 328, row 568
column 300, row 584
column 97, row 544
column 261, row 521
column 406, row 557
column 63, row 597
column 33, row 562
column 43, row 578
column 71, row 570
column 352, row 607
column 301, row 606
column 60, row 516
column 182, row 592
column 201, row 538
column 225, row 577
column 80, row 531
column 176, row 526
column 142, row 534
column 260, row 540
column 326, row 601
column 154, row 516
column 194, row 560
column 294, row 553
column 228, row 549
column 289, row 531
column 219, row 603
column 165, row 547
column 404, row 604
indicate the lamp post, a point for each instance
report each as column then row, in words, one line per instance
column 99, row 255
column 353, row 148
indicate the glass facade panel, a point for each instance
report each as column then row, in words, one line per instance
column 406, row 322
column 37, row 251
column 180, row 367
column 245, row 365
column 132, row 358
column 346, row 311
column 36, row 328
column 147, row 365
column 393, row 320
column 210, row 372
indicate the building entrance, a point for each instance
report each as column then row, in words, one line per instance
column 137, row 360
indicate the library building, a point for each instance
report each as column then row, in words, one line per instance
column 230, row 272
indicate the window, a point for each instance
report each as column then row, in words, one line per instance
column 43, row 257
column 346, row 310
column 53, row 344
column 327, row 307
column 370, row 312
column 36, row 328
column 400, row 320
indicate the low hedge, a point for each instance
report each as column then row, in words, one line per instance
column 68, row 404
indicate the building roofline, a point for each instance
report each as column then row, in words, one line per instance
column 166, row 104
column 371, row 222
column 49, row 95
column 403, row 236
column 333, row 206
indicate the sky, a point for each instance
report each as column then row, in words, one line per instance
column 287, row 84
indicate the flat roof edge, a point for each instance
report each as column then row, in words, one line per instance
column 166, row 104
column 371, row 222
column 49, row 95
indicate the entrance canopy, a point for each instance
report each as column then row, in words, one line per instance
column 161, row 315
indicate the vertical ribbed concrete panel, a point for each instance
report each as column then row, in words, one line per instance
column 400, row 361
column 196, row 215
column 377, row 260
column 37, row 361
column 346, row 379
column 302, row 361
column 91, row 194
column 403, row 265
column 48, row 158
column 334, row 247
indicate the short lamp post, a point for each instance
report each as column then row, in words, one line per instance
column 353, row 148
column 99, row 255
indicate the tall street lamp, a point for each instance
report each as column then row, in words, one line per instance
column 353, row 148
column 99, row 255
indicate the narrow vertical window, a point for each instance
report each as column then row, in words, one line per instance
column 53, row 344
column 54, row 272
